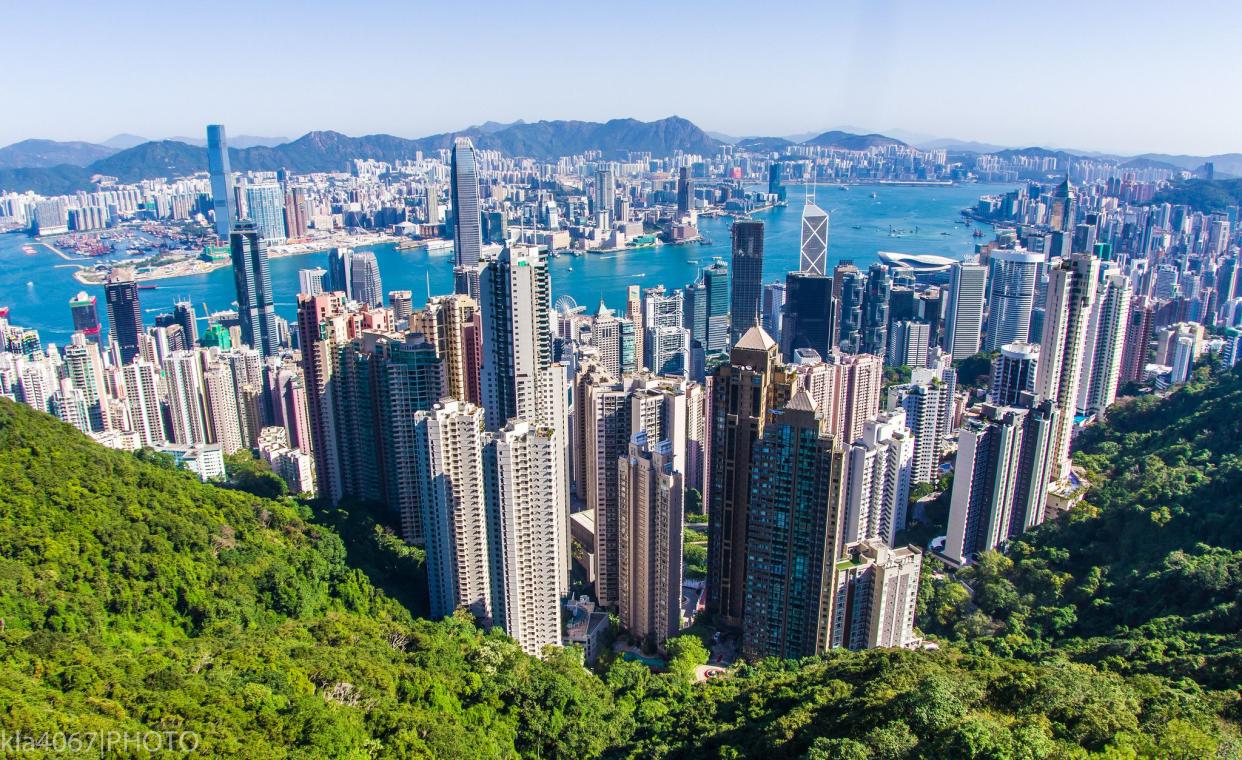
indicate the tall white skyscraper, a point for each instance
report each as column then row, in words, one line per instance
column 1105, row 343
column 143, row 401
column 879, row 467
column 449, row 459
column 1015, row 273
column 515, row 293
column 527, row 508
column 183, row 375
column 964, row 315
column 1071, row 293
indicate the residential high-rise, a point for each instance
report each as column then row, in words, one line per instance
column 340, row 269
column 747, row 287
column 1139, row 327
column 223, row 205
column 806, row 322
column 1001, row 476
column 448, row 455
column 311, row 281
column 1105, row 344
column 845, row 387
column 449, row 322
column 1013, row 373
column 322, row 324
column 634, row 313
column 85, row 316
column 83, row 367
column 222, row 411
column 650, row 515
column 467, row 211
column 142, row 399
column 253, row 280
column 1071, row 293
column 1014, row 276
column 908, row 343
column 876, row 592
column 402, row 304
column 183, row 377
column 365, row 284
column 124, row 313
column 964, row 315
column 925, row 405
column 265, row 206
column 526, row 515
column 813, row 251
column 743, row 392
column 878, row 483
column 515, row 292
column 793, row 527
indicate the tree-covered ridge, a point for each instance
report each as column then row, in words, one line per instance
column 1146, row 576
column 135, row 598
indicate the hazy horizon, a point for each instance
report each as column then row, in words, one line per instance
column 1124, row 78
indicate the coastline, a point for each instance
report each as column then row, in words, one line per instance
column 89, row 275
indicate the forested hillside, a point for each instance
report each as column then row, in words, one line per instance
column 134, row 597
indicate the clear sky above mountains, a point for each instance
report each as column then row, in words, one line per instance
column 1127, row 77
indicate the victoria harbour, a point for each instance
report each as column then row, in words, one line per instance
column 908, row 219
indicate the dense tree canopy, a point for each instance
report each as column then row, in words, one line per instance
column 133, row 597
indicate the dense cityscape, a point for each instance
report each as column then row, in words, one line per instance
column 752, row 459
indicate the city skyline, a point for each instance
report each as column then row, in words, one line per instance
column 882, row 75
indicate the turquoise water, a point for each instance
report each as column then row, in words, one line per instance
column 37, row 288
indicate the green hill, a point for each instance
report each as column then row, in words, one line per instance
column 135, row 598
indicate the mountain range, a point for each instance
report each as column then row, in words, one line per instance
column 49, row 167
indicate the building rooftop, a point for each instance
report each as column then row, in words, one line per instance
column 756, row 339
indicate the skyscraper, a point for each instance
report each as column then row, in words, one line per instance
column 467, row 211
column 311, row 281
column 447, row 320
column 1105, row 344
column 716, row 291
column 964, row 315
column 124, row 313
column 526, row 515
column 253, row 280
column 813, row 252
column 773, row 310
column 685, row 191
column 142, row 399
column 878, row 484
column 605, row 193
column 1071, row 293
column 874, row 338
column 1138, row 339
column 793, row 527
column 747, row 287
column 516, row 293
column 85, row 316
column 185, row 316
column 634, row 313
column 449, row 456
column 876, row 593
column 743, row 392
column 402, row 304
column 650, row 515
column 1015, row 274
column 848, row 289
column 1013, row 373
column 222, row 203
column 1001, row 476
column 807, row 319
column 365, row 284
column 340, row 269
column 265, row 206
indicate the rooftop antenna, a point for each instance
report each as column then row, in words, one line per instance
column 427, row 274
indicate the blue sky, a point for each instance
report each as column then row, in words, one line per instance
column 1115, row 76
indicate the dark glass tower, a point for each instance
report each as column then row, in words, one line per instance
column 875, row 310
column 849, row 287
column 124, row 314
column 255, row 309
column 792, row 534
column 807, row 317
column 685, row 191
column 747, row 289
column 223, row 203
